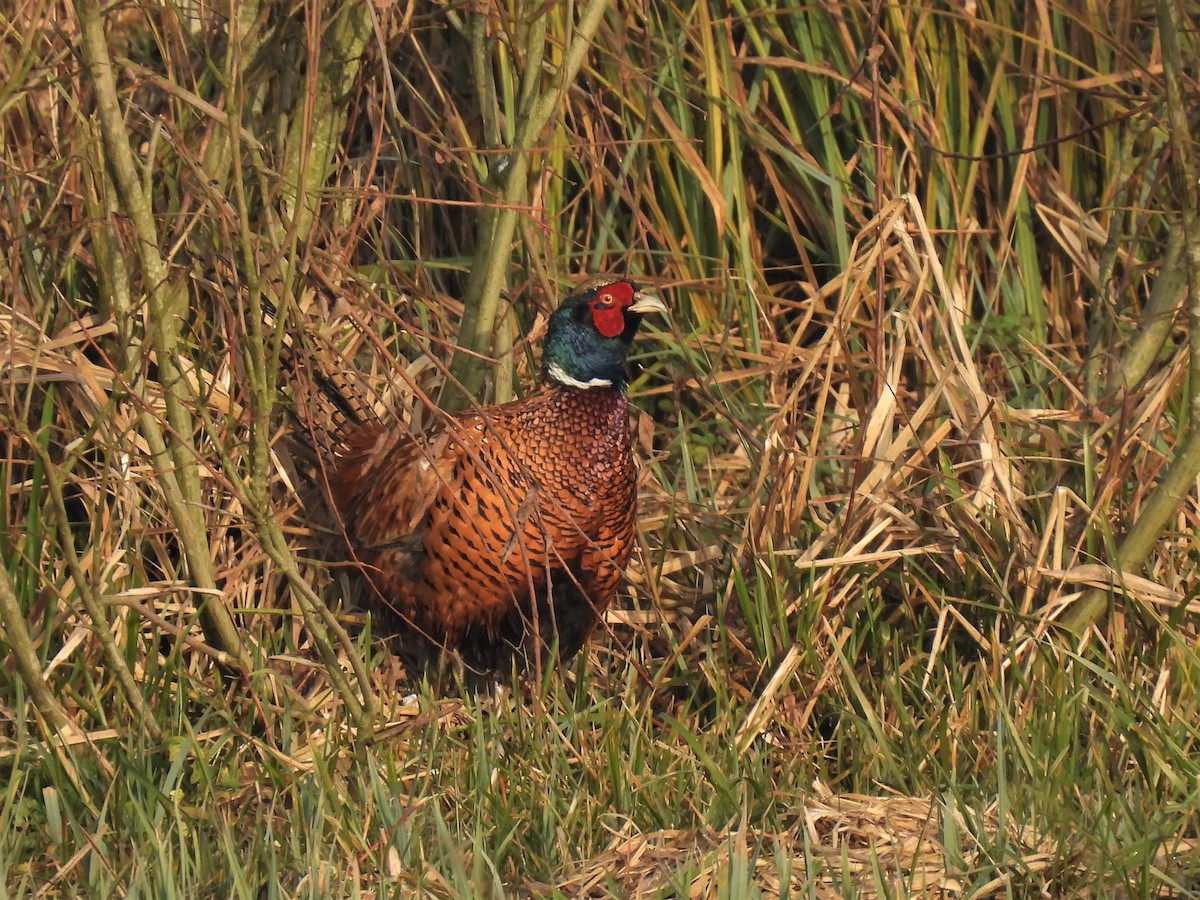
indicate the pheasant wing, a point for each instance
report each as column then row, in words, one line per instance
column 387, row 483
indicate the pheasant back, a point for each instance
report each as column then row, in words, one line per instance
column 509, row 523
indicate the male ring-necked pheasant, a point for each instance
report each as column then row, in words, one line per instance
column 509, row 523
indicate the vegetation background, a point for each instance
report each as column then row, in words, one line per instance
column 914, row 609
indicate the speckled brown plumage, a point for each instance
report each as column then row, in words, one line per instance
column 508, row 517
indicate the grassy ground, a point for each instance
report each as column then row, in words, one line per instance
column 927, row 364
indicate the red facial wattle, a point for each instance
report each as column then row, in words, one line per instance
column 608, row 309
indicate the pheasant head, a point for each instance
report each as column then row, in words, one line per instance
column 589, row 335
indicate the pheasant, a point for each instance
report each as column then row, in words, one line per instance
column 506, row 528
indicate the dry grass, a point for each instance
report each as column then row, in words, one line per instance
column 886, row 447
column 884, row 846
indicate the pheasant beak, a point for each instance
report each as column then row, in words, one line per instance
column 644, row 302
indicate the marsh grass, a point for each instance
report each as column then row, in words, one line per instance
column 906, row 249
